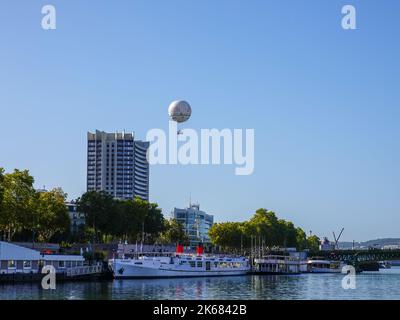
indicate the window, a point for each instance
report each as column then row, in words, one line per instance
column 61, row 264
column 27, row 264
column 199, row 264
column 11, row 264
column 192, row 264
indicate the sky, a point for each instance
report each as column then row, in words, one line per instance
column 323, row 101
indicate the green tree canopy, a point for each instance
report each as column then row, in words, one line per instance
column 98, row 208
column 17, row 206
column 131, row 219
column 51, row 214
column 313, row 243
column 173, row 232
column 228, row 235
column 263, row 226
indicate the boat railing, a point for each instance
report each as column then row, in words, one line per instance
column 152, row 255
column 84, row 270
column 278, row 259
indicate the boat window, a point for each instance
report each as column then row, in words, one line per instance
column 27, row 264
column 199, row 264
column 192, row 264
column 11, row 264
column 61, row 264
column 216, row 264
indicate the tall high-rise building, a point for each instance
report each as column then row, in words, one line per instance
column 117, row 164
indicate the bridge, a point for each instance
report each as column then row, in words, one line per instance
column 360, row 259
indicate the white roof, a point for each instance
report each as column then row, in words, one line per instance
column 320, row 261
column 57, row 257
column 9, row 251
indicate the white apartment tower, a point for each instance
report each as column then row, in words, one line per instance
column 117, row 164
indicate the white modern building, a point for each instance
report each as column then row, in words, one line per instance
column 117, row 164
column 196, row 223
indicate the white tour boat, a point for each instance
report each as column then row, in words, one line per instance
column 277, row 264
column 178, row 265
column 325, row 266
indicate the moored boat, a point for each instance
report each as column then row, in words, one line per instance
column 385, row 265
column 178, row 266
column 277, row 264
column 324, row 266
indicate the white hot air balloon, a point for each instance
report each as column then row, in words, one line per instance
column 179, row 111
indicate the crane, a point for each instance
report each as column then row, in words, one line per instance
column 337, row 239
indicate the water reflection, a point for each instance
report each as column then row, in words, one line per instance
column 382, row 285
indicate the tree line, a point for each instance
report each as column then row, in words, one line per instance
column 33, row 215
column 132, row 220
column 265, row 228
column 27, row 214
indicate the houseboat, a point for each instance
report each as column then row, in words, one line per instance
column 324, row 266
column 277, row 264
column 19, row 263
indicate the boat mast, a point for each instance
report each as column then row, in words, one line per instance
column 141, row 245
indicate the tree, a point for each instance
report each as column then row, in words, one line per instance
column 173, row 232
column 18, row 202
column 228, row 235
column 1, row 189
column 51, row 215
column 313, row 243
column 288, row 234
column 124, row 219
column 301, row 239
column 264, row 226
column 98, row 208
column 1, row 185
column 154, row 221
column 129, row 219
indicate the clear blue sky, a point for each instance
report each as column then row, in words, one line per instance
column 324, row 102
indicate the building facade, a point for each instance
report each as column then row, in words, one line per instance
column 196, row 223
column 77, row 218
column 117, row 164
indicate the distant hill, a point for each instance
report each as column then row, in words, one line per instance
column 371, row 243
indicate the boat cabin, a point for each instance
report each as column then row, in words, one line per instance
column 277, row 264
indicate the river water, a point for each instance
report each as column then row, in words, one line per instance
column 375, row 285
